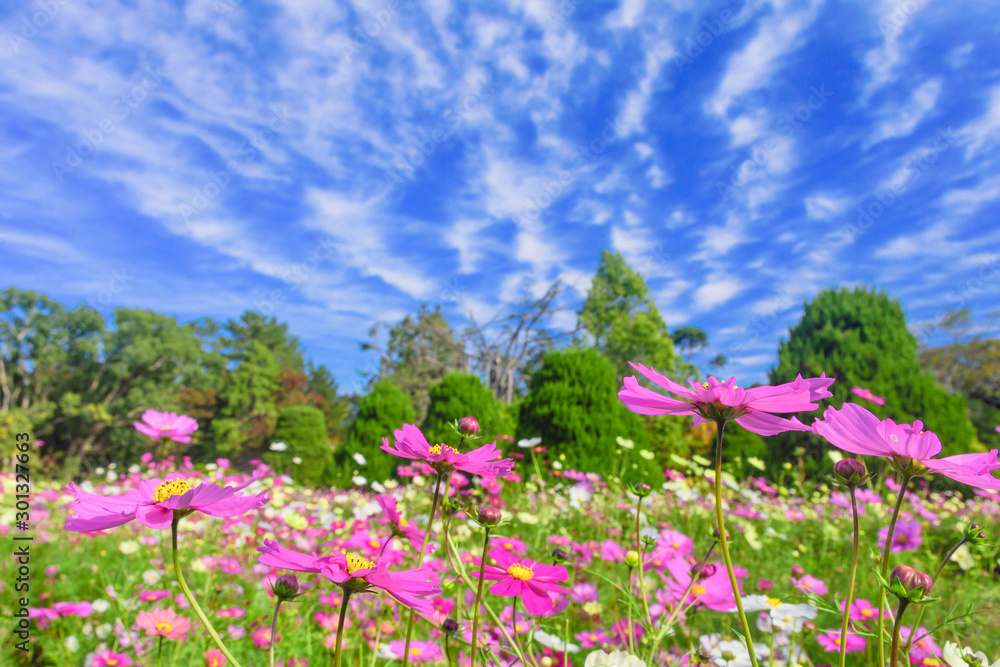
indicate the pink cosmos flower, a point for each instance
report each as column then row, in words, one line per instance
column 924, row 646
column 420, row 651
column 81, row 609
column 522, row 577
column 163, row 623
column 712, row 588
column 171, row 425
column 400, row 526
column 106, row 658
column 862, row 610
column 750, row 408
column 906, row 538
column 867, row 395
column 215, row 658
column 356, row 574
column 858, row 431
column 810, row 584
column 261, row 637
column 830, row 640
column 411, row 444
column 154, row 502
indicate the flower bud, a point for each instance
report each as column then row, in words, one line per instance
column 286, row 587
column 912, row 580
column 701, row 571
column 797, row 570
column 632, row 558
column 715, row 534
column 559, row 554
column 850, row 471
column 974, row 533
column 489, row 516
column 642, row 489
column 450, row 626
column 468, row 426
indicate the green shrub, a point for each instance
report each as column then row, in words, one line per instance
column 303, row 430
column 860, row 338
column 458, row 395
column 383, row 410
column 573, row 406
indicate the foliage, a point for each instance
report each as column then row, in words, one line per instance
column 573, row 406
column 303, row 429
column 249, row 403
column 383, row 410
column 419, row 353
column 625, row 324
column 860, row 338
column 458, row 395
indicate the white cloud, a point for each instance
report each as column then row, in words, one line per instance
column 718, row 290
column 985, row 130
column 903, row 120
column 825, row 206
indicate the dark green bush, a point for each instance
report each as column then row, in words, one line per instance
column 458, row 395
column 383, row 410
column 303, row 430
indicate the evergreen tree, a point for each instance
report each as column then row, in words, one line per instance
column 573, row 406
column 860, row 338
column 383, row 410
column 458, row 395
column 303, row 430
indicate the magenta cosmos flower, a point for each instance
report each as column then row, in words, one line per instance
column 411, row 444
column 521, row 577
column 166, row 425
column 163, row 623
column 867, row 395
column 400, row 527
column 356, row 574
column 154, row 502
column 750, row 408
column 858, row 431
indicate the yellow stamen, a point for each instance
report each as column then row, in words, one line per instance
column 164, row 628
column 170, row 488
column 698, row 589
column 774, row 602
column 356, row 562
column 437, row 449
column 520, row 572
column 867, row 612
column 166, row 428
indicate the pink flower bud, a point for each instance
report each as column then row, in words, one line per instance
column 850, row 471
column 468, row 426
column 912, row 580
column 489, row 516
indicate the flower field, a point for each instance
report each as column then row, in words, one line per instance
column 167, row 563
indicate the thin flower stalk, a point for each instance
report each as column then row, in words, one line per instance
column 884, row 570
column 853, row 578
column 420, row 560
column 638, row 550
column 479, row 595
column 920, row 612
column 340, row 629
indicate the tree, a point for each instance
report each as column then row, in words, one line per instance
column 689, row 340
column 303, row 430
column 419, row 353
column 247, row 418
column 860, row 338
column 383, row 410
column 458, row 395
column 625, row 324
column 718, row 361
column 573, row 406
column 507, row 345
column 254, row 327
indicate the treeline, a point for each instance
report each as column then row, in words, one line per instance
column 78, row 381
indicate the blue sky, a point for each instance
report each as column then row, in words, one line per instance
column 337, row 164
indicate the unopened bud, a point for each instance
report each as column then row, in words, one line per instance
column 797, row 570
column 974, row 533
column 450, row 626
column 850, row 471
column 468, row 426
column 715, row 534
column 909, row 585
column 489, row 516
column 286, row 587
column 701, row 571
column 559, row 554
column 632, row 558
column 642, row 489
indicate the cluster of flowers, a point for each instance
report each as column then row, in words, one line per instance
column 365, row 562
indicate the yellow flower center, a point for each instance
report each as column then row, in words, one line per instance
column 356, row 562
column 437, row 449
column 521, row 572
column 698, row 589
column 932, row 662
column 170, row 488
column 774, row 602
column 166, row 428
column 403, row 523
column 111, row 661
column 867, row 612
column 414, row 651
column 164, row 628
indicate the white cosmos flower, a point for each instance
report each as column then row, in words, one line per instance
column 625, row 443
column 359, row 458
column 359, row 480
column 555, row 643
column 278, row 447
column 956, row 656
column 528, row 443
column 613, row 659
column 781, row 616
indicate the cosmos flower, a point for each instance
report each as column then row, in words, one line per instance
column 521, row 577
column 171, row 425
column 154, row 502
column 867, row 395
column 163, row 623
column 613, row 659
column 356, row 574
column 411, row 444
column 753, row 409
column 906, row 538
column 107, row 658
column 215, row 658
column 420, row 651
column 711, row 588
column 830, row 640
column 400, row 526
column 858, row 431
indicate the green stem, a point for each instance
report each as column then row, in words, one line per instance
column 920, row 612
column 159, row 651
column 724, row 543
column 479, row 595
column 853, row 578
column 274, row 630
column 885, row 569
column 513, row 627
column 420, row 560
column 340, row 629
column 638, row 550
column 190, row 596
column 894, row 651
